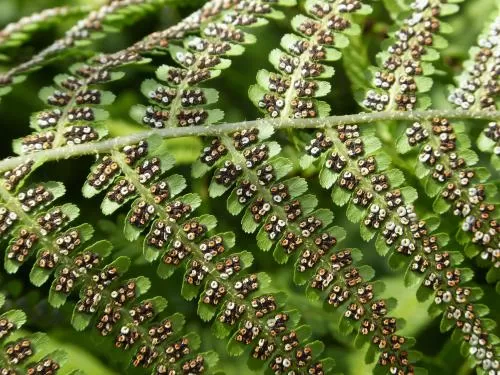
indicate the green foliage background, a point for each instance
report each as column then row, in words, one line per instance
column 441, row 355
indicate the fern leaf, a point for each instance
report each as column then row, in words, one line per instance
column 172, row 234
column 245, row 286
column 182, row 102
column 220, row 284
column 445, row 160
column 27, row 218
column 287, row 219
column 383, row 205
column 17, row 33
column 98, row 21
column 292, row 92
column 367, row 185
column 287, row 222
column 405, row 64
column 478, row 88
column 27, row 354
column 261, row 174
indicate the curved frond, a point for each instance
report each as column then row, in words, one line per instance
column 104, row 19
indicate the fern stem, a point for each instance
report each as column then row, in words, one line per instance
column 105, row 146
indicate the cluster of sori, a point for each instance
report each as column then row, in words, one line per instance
column 478, row 84
column 445, row 159
column 179, row 101
column 27, row 354
column 291, row 92
column 447, row 168
column 404, row 65
column 114, row 13
column 178, row 238
column 286, row 220
column 74, row 101
column 36, row 228
column 359, row 170
column 32, row 203
column 479, row 88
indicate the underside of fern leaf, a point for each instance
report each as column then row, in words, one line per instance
column 259, row 205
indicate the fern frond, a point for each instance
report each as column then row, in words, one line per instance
column 17, row 33
column 183, row 102
column 445, row 158
column 405, row 65
column 133, row 182
column 93, row 26
column 354, row 165
column 121, row 192
column 255, row 165
column 286, row 217
column 27, row 354
column 136, row 173
column 377, row 198
column 287, row 221
column 75, row 98
column 478, row 87
column 103, row 293
column 292, row 92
